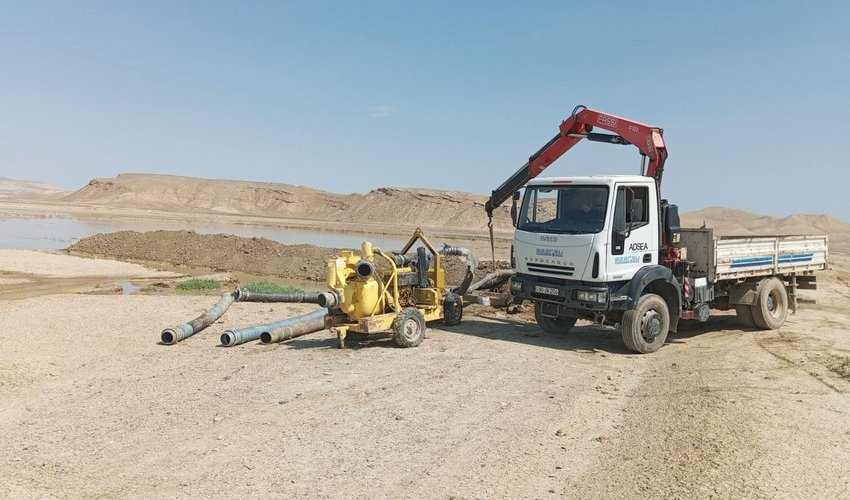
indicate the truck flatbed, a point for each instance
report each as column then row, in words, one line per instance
column 720, row 258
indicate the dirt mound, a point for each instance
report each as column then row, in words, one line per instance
column 219, row 252
column 224, row 252
column 191, row 194
column 732, row 222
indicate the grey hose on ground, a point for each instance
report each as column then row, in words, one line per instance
column 314, row 320
column 245, row 295
column 490, row 280
column 180, row 332
column 308, row 323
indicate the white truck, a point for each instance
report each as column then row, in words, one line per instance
column 610, row 250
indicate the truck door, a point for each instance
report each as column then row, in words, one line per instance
column 634, row 231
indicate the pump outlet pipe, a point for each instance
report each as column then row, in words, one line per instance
column 493, row 279
column 471, row 265
column 245, row 295
column 304, row 324
column 180, row 332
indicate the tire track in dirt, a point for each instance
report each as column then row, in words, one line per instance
column 686, row 434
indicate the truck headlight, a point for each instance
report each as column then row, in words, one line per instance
column 516, row 286
column 597, row 297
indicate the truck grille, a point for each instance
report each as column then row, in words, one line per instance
column 551, row 269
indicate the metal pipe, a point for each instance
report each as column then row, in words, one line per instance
column 307, row 323
column 239, row 336
column 245, row 295
column 330, row 300
column 177, row 333
column 490, row 280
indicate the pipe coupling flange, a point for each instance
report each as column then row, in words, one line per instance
column 364, row 268
column 330, row 299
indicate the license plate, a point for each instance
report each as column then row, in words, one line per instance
column 546, row 290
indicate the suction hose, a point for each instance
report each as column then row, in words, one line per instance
column 471, row 265
column 245, row 295
column 302, row 325
column 177, row 333
column 495, row 278
column 292, row 327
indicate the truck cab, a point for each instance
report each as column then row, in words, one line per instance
column 588, row 247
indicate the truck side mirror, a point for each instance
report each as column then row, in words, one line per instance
column 514, row 211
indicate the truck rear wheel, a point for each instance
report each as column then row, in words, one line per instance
column 645, row 327
column 561, row 324
column 771, row 305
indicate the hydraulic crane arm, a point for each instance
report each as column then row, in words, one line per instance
column 647, row 138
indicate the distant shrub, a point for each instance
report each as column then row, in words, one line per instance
column 198, row 285
column 269, row 287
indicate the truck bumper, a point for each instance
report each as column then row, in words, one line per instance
column 570, row 298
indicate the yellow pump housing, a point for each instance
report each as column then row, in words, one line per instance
column 375, row 292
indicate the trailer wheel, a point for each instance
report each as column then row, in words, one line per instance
column 409, row 327
column 645, row 327
column 745, row 315
column 561, row 324
column 771, row 306
column 452, row 309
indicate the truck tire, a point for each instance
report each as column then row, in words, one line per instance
column 745, row 315
column 561, row 324
column 409, row 327
column 645, row 327
column 452, row 309
column 771, row 307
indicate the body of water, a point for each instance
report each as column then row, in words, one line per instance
column 25, row 231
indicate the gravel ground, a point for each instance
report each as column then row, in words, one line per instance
column 92, row 406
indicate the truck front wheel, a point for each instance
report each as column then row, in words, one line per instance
column 645, row 327
column 771, row 305
column 561, row 324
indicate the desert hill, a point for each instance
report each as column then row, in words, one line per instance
column 17, row 188
column 190, row 194
column 730, row 221
column 387, row 205
column 426, row 207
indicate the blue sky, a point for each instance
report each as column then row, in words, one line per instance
column 348, row 96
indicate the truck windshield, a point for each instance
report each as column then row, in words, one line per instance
column 564, row 209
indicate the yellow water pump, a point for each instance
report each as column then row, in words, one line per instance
column 375, row 292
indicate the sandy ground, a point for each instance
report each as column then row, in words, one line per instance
column 29, row 273
column 92, row 406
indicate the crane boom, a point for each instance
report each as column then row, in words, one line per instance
column 647, row 138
